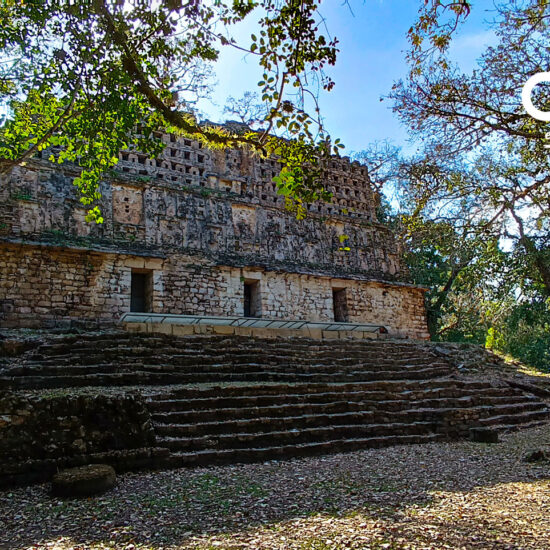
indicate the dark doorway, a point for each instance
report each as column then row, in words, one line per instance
column 140, row 296
column 340, row 305
column 251, row 299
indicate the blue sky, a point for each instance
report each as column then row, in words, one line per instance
column 372, row 43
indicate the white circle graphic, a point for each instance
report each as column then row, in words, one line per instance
column 526, row 96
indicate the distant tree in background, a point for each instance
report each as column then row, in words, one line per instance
column 480, row 120
column 476, row 199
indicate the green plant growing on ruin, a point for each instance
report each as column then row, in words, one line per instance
column 343, row 241
column 56, row 234
column 21, row 196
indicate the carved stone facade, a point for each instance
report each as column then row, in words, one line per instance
column 198, row 232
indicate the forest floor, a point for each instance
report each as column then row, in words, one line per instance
column 434, row 496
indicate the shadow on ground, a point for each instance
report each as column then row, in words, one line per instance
column 421, row 496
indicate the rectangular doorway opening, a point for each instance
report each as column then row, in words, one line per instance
column 141, row 292
column 252, row 299
column 340, row 305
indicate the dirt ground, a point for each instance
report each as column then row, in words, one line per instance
column 440, row 495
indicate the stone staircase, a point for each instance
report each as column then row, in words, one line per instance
column 262, row 422
column 217, row 399
column 157, row 360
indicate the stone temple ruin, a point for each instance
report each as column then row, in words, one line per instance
column 199, row 232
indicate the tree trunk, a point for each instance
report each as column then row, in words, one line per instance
column 536, row 257
column 434, row 310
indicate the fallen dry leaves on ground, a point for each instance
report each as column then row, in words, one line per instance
column 435, row 496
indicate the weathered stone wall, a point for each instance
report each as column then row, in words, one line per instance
column 222, row 223
column 238, row 172
column 41, row 433
column 400, row 308
column 45, row 285
column 198, row 224
column 41, row 427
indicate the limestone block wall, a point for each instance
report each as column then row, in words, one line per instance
column 401, row 308
column 47, row 285
column 192, row 288
column 42, row 434
column 41, row 285
column 293, row 296
column 53, row 426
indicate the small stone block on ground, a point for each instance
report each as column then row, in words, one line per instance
column 484, row 435
column 84, row 481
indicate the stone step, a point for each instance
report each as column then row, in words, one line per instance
column 166, row 378
column 221, row 362
column 304, row 435
column 224, row 368
column 74, row 344
column 409, row 417
column 505, row 399
column 304, row 449
column 119, row 337
column 210, row 405
column 212, row 343
column 275, row 392
column 151, row 357
column 515, row 419
column 187, row 413
column 223, row 357
column 279, row 405
column 269, row 453
column 184, row 346
column 287, row 360
column 524, row 425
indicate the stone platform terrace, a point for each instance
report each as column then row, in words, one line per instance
column 157, row 401
column 186, row 325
